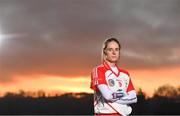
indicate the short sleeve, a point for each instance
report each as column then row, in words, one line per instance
column 97, row 78
column 130, row 86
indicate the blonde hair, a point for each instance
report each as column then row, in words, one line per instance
column 104, row 46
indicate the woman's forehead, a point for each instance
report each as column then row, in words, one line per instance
column 112, row 45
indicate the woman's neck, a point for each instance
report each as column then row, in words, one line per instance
column 111, row 64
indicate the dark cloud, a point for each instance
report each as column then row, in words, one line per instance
column 61, row 37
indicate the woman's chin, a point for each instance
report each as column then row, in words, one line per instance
column 113, row 61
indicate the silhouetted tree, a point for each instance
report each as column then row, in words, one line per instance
column 178, row 90
column 22, row 93
column 41, row 93
column 9, row 94
column 166, row 91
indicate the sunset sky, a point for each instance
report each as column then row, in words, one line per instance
column 53, row 45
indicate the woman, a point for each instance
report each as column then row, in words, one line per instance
column 113, row 89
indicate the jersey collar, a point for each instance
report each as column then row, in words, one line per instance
column 109, row 68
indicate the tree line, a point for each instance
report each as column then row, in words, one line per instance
column 165, row 100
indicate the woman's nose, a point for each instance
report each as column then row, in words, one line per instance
column 114, row 52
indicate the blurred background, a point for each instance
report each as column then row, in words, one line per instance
column 49, row 47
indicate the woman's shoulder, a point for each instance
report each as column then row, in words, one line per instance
column 98, row 67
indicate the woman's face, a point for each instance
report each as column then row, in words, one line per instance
column 112, row 52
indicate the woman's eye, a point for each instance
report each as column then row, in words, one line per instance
column 117, row 49
column 109, row 50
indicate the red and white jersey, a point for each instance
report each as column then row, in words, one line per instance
column 120, row 80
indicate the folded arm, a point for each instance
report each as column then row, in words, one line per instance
column 128, row 98
column 106, row 92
